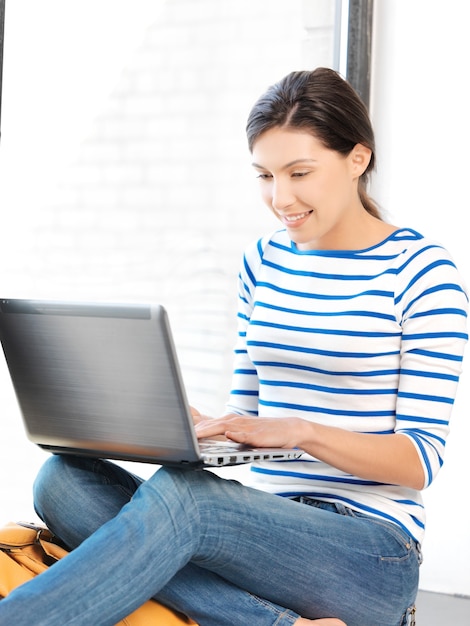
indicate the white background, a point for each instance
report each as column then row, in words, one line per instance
column 420, row 109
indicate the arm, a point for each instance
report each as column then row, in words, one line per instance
column 384, row 458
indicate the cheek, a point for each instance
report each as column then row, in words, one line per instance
column 327, row 193
column 266, row 196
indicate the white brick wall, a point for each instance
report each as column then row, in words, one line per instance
column 159, row 196
column 159, row 200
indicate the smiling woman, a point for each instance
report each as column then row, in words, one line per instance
column 105, row 235
column 343, row 320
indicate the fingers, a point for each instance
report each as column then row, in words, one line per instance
column 213, row 427
column 208, row 428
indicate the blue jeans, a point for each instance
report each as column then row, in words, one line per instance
column 220, row 552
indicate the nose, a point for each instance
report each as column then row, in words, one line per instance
column 281, row 196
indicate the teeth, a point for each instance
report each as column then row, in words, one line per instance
column 295, row 218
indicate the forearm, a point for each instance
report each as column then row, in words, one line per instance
column 384, row 458
column 389, row 459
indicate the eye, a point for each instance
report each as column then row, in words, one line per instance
column 264, row 176
column 299, row 174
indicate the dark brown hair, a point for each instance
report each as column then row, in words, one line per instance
column 324, row 104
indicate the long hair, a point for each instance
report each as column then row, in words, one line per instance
column 323, row 103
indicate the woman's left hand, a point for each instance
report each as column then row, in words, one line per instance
column 260, row 432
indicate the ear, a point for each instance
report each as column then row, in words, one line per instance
column 360, row 159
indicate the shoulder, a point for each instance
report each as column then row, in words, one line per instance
column 277, row 238
column 424, row 267
column 411, row 247
column 256, row 251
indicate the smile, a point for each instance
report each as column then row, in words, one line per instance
column 296, row 218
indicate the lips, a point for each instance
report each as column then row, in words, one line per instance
column 295, row 220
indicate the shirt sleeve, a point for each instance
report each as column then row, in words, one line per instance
column 431, row 304
column 244, row 391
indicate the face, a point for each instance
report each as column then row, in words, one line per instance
column 312, row 190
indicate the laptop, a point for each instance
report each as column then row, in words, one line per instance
column 103, row 380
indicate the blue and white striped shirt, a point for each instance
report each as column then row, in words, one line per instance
column 370, row 341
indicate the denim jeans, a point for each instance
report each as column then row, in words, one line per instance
column 218, row 551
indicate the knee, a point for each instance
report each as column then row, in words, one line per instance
column 51, row 485
column 46, row 478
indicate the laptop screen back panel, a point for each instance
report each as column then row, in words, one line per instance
column 84, row 373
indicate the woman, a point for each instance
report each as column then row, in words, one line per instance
column 351, row 336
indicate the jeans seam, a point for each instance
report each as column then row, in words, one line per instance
column 407, row 542
column 279, row 615
column 285, row 614
column 112, row 483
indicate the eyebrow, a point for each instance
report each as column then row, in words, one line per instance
column 287, row 165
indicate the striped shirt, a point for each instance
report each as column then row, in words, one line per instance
column 370, row 341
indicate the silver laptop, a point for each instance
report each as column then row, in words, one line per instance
column 103, row 380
